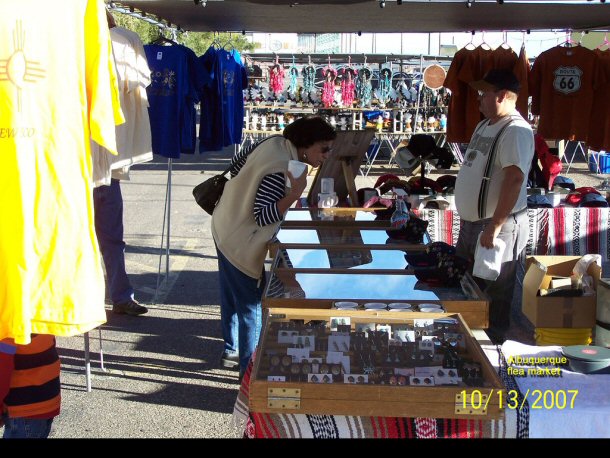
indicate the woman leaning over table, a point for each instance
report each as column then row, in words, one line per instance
column 253, row 204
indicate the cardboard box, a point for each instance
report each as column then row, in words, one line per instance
column 556, row 312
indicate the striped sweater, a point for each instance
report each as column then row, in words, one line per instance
column 34, row 389
column 270, row 191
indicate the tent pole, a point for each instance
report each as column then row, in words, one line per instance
column 166, row 217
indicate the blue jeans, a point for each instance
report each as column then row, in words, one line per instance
column 240, row 310
column 26, row 428
column 514, row 233
column 108, row 205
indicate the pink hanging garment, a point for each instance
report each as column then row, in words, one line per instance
column 276, row 78
column 328, row 92
column 348, row 87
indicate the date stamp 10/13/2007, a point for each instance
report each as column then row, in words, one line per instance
column 515, row 400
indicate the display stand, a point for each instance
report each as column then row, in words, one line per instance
column 349, row 149
column 88, row 359
column 166, row 217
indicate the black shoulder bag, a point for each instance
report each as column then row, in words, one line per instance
column 207, row 194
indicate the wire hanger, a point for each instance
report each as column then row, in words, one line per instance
column 216, row 42
column 163, row 40
column 569, row 41
column 505, row 44
column 484, row 44
column 228, row 46
column 605, row 42
column 470, row 43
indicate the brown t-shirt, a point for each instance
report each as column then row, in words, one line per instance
column 562, row 84
column 599, row 131
column 474, row 69
column 522, row 72
column 457, row 103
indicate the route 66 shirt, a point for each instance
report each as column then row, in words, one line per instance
column 562, row 84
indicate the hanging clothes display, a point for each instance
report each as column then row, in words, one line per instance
column 52, row 278
column 171, row 96
column 471, row 65
column 562, row 84
column 133, row 138
column 222, row 115
column 599, row 131
column 197, row 80
column 521, row 71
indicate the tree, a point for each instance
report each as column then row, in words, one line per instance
column 199, row 42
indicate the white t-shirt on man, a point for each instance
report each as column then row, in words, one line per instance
column 515, row 147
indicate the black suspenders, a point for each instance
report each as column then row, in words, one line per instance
column 486, row 176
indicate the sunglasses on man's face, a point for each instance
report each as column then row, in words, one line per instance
column 326, row 149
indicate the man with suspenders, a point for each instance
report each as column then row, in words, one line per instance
column 490, row 191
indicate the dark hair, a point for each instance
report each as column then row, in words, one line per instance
column 308, row 130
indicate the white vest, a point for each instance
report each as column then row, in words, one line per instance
column 237, row 236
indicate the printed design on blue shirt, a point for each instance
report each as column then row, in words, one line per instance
column 228, row 79
column 163, row 82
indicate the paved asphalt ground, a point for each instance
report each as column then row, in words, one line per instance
column 162, row 377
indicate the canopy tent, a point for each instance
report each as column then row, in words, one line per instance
column 345, row 16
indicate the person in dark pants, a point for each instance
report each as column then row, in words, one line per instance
column 108, row 205
column 490, row 189
column 253, row 204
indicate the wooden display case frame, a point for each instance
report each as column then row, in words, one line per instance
column 474, row 311
column 375, row 400
column 396, row 245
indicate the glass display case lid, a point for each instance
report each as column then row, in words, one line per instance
column 345, row 236
column 287, row 283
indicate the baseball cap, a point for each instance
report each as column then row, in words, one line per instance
column 497, row 80
column 593, row 200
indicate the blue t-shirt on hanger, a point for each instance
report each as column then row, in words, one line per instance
column 223, row 104
column 168, row 98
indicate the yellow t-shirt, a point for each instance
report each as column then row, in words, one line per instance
column 55, row 94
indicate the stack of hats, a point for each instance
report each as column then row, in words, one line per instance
column 586, row 197
column 412, row 232
column 423, row 147
column 438, row 265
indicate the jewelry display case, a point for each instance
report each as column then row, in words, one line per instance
column 320, row 277
column 371, row 363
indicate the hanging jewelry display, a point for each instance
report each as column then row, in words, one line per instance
column 348, row 87
column 293, row 86
column 328, row 91
column 309, row 83
column 276, row 78
column 364, row 88
column 385, row 85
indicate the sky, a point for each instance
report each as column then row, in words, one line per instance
column 417, row 43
